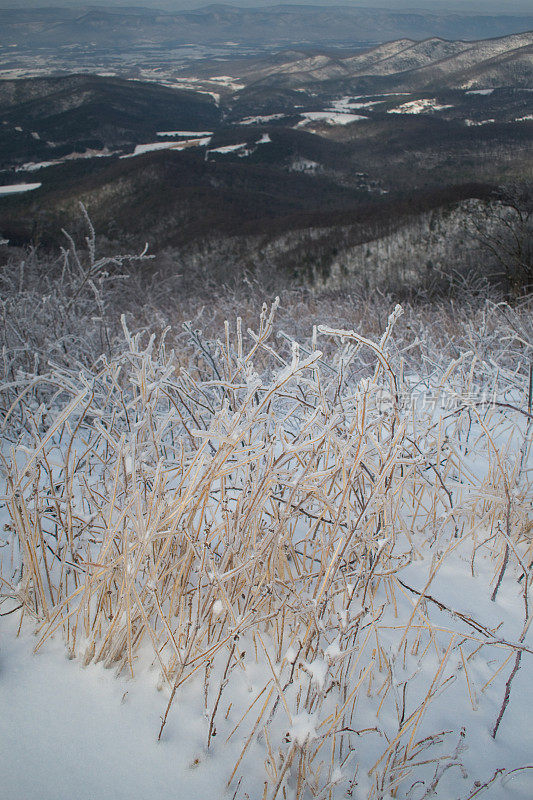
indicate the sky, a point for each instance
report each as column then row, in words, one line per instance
column 464, row 6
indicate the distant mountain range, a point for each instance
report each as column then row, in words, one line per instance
column 125, row 27
column 47, row 118
column 262, row 147
column 409, row 65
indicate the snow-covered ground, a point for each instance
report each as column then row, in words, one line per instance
column 33, row 166
column 304, row 165
column 140, row 149
column 227, row 80
column 16, row 188
column 426, row 104
column 349, row 104
column 228, row 148
column 185, row 134
column 261, row 118
column 72, row 731
column 242, row 149
column 476, row 122
column 329, row 117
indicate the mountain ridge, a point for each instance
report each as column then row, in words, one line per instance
column 135, row 26
column 411, row 65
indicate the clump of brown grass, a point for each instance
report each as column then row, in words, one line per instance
column 249, row 505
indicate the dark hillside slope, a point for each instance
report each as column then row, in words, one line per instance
column 170, row 198
column 80, row 111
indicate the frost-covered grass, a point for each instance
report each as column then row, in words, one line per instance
column 320, row 540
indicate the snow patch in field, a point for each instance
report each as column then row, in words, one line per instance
column 259, row 119
column 227, row 80
column 17, row 188
column 241, row 149
column 33, row 166
column 329, row 118
column 475, row 123
column 228, row 148
column 140, row 149
column 304, row 165
column 419, row 106
column 527, row 118
column 480, row 91
column 185, row 133
column 347, row 104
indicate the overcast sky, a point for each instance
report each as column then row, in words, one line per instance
column 465, row 6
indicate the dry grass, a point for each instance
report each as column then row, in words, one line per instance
column 246, row 507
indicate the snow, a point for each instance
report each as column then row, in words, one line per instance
column 185, row 133
column 332, row 651
column 227, row 80
column 33, row 166
column 303, row 729
column 259, row 119
column 304, row 165
column 228, row 148
column 347, row 104
column 418, row 107
column 70, row 731
column 140, row 149
column 17, row 188
column 241, row 149
column 480, row 91
column 318, row 670
column 475, row 123
column 527, row 118
column 290, row 655
column 340, row 112
column 384, row 94
column 329, row 118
